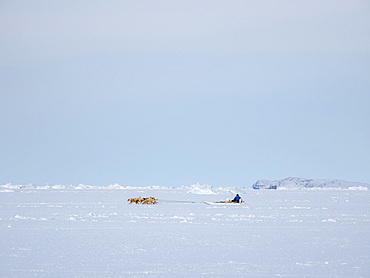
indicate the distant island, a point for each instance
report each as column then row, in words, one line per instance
column 300, row 183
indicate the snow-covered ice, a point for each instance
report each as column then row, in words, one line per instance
column 65, row 232
column 201, row 189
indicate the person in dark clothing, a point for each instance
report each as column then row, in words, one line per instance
column 237, row 199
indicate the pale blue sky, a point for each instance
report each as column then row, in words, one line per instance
column 175, row 92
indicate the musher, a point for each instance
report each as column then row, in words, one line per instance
column 237, row 199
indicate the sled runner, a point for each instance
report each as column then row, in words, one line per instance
column 222, row 203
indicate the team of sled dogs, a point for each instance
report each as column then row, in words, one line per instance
column 144, row 201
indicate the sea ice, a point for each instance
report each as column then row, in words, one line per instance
column 95, row 233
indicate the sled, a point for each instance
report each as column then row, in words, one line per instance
column 222, row 203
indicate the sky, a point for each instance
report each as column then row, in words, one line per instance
column 175, row 92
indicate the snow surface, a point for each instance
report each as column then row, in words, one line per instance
column 95, row 233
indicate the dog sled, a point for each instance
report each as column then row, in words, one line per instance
column 222, row 203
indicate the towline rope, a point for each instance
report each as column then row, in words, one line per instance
column 172, row 201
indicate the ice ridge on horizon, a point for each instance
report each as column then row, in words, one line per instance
column 287, row 183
